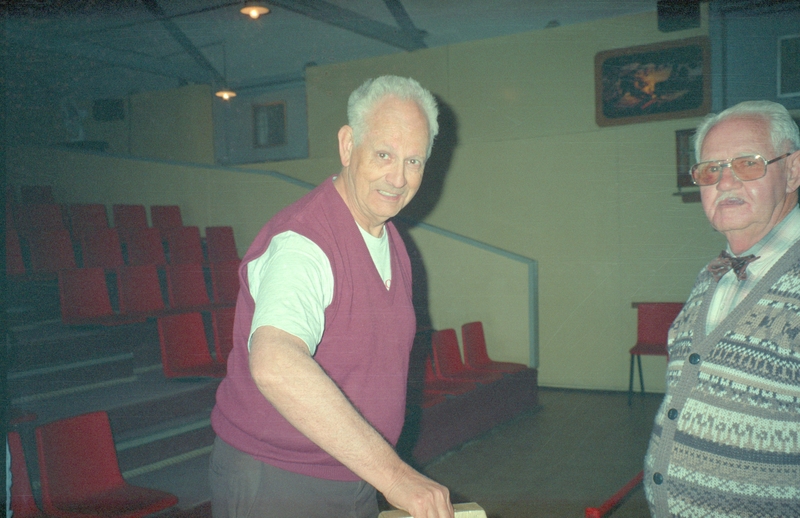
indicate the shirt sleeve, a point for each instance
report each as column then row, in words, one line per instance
column 292, row 285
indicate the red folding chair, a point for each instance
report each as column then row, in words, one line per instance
column 100, row 248
column 447, row 359
column 143, row 246
column 183, row 245
column 166, row 217
column 129, row 216
column 85, row 217
column 23, row 503
column 51, row 251
column 221, row 245
column 139, row 292
column 222, row 323
column 80, row 475
column 186, row 287
column 653, row 322
column 475, row 355
column 184, row 348
column 225, row 281
column 84, row 296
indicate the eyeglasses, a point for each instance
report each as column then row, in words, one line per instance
column 745, row 168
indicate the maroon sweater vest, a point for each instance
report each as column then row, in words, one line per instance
column 365, row 347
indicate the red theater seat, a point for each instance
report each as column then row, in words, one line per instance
column 85, row 217
column 129, row 216
column 184, row 347
column 165, row 217
column 84, row 296
column 143, row 246
column 221, row 245
column 447, row 359
column 139, row 291
column 186, row 287
column 225, row 281
column 101, row 248
column 51, row 251
column 183, row 245
column 80, row 475
column 475, row 355
column 23, row 504
column 434, row 384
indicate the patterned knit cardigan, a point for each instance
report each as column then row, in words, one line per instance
column 726, row 440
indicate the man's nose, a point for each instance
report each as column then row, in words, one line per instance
column 728, row 178
column 397, row 176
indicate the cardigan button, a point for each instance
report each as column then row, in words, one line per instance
column 658, row 478
column 694, row 358
column 672, row 414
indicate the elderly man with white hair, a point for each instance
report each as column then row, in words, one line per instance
column 314, row 397
column 726, row 440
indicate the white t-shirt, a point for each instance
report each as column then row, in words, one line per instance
column 292, row 284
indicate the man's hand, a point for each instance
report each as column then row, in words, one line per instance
column 419, row 496
column 287, row 375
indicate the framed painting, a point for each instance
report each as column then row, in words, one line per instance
column 668, row 80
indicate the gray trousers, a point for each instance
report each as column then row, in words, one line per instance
column 243, row 487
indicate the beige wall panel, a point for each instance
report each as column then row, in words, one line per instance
column 246, row 201
column 467, row 283
column 173, row 125
column 541, row 82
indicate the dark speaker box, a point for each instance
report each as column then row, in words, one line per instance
column 678, row 15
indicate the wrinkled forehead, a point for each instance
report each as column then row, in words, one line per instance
column 738, row 136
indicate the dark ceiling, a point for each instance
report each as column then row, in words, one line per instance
column 99, row 49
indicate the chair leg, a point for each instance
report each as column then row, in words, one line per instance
column 630, row 383
column 641, row 376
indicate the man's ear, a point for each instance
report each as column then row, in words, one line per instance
column 345, row 145
column 793, row 172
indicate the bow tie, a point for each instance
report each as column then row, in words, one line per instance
column 726, row 262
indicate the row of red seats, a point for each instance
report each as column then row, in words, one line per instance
column 79, row 217
column 79, row 473
column 51, row 251
column 85, row 296
column 445, row 373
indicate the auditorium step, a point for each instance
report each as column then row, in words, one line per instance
column 161, row 426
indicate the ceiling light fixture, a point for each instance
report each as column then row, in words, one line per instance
column 224, row 92
column 254, row 9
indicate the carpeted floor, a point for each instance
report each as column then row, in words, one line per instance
column 576, row 450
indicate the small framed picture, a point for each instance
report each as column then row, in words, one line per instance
column 684, row 152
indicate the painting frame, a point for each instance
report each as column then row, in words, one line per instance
column 684, row 156
column 667, row 80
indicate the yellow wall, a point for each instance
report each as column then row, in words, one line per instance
column 531, row 174
column 165, row 124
